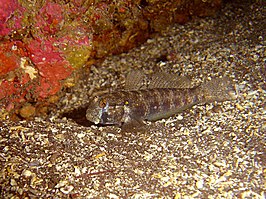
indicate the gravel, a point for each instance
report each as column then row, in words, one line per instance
column 209, row 151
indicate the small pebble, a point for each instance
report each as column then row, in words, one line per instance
column 27, row 111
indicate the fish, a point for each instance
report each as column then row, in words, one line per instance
column 155, row 96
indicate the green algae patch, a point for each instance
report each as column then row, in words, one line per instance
column 77, row 56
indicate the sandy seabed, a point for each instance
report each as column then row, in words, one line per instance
column 209, row 151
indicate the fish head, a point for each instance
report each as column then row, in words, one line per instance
column 100, row 111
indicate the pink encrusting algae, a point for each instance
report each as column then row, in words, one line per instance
column 10, row 16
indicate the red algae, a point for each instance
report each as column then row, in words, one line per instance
column 10, row 16
column 8, row 62
column 50, row 18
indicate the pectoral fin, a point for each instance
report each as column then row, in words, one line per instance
column 133, row 125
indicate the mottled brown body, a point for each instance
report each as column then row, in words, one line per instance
column 152, row 104
column 155, row 103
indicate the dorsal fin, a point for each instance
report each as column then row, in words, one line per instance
column 135, row 80
column 138, row 80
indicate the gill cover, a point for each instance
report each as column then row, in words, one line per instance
column 97, row 111
column 100, row 111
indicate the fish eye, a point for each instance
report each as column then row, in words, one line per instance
column 102, row 103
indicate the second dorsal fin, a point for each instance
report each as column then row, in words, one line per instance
column 138, row 80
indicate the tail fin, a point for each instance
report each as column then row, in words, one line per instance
column 219, row 89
